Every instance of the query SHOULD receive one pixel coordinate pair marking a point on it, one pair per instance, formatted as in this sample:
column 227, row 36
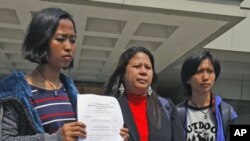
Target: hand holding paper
column 102, row 115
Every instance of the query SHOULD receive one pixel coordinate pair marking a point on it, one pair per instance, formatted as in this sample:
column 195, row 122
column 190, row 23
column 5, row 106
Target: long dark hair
column 191, row 65
column 40, row 32
column 115, row 80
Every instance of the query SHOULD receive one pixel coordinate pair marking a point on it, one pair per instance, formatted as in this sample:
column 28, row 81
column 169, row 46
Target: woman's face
column 62, row 45
column 203, row 80
column 138, row 74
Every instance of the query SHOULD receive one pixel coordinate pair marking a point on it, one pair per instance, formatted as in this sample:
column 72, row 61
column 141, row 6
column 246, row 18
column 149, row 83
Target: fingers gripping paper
column 102, row 115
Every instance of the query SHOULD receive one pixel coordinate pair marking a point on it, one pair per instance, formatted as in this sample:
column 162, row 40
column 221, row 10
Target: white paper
column 102, row 115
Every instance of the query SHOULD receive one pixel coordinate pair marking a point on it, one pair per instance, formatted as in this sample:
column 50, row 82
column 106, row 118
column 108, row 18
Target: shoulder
column 182, row 104
column 166, row 103
column 181, row 109
column 67, row 81
column 226, row 105
column 222, row 104
column 69, row 85
column 227, row 110
column 12, row 77
column 65, row 78
column 12, row 83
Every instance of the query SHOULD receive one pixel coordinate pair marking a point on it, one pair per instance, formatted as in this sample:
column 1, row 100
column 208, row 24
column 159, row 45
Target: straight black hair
column 191, row 65
column 40, row 32
column 115, row 80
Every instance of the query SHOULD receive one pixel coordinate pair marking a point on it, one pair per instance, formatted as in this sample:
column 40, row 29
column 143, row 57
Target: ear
column 188, row 81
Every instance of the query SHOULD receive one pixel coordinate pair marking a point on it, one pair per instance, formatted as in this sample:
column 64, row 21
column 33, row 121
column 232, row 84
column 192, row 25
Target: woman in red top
column 147, row 116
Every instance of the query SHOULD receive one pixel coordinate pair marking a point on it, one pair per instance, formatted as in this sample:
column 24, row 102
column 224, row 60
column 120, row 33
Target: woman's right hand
column 124, row 132
column 71, row 131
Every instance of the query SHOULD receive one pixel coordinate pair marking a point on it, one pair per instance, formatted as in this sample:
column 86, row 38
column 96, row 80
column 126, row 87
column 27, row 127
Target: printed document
column 102, row 116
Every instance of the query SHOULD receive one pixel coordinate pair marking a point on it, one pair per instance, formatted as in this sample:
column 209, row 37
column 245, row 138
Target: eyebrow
column 65, row 35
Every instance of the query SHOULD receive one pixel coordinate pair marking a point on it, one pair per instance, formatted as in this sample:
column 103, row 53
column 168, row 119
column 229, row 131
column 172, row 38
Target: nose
column 143, row 71
column 205, row 76
column 67, row 45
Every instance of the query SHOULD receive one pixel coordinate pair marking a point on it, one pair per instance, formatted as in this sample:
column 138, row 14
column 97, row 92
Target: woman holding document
column 147, row 116
column 41, row 105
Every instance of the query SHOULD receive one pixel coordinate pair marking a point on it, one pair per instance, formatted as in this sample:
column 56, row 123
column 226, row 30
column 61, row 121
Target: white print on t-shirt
column 200, row 131
column 198, row 128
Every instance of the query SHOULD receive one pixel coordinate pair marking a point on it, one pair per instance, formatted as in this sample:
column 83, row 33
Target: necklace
column 50, row 83
column 205, row 113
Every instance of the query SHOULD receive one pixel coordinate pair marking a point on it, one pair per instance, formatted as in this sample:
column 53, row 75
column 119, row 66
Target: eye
column 199, row 71
column 60, row 39
column 148, row 67
column 210, row 71
column 72, row 40
column 136, row 66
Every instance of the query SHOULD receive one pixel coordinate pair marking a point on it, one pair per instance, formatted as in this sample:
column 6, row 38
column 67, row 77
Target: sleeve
column 233, row 120
column 10, row 132
column 177, row 127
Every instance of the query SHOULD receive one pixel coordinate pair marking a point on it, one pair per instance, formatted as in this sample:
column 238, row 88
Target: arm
column 10, row 130
column 229, row 118
column 176, row 123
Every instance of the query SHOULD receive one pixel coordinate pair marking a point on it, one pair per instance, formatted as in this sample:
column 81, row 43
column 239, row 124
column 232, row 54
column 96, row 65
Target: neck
column 199, row 100
column 47, row 79
column 50, row 74
column 137, row 94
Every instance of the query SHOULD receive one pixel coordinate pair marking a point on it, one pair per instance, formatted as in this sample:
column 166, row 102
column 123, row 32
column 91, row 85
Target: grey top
column 10, row 130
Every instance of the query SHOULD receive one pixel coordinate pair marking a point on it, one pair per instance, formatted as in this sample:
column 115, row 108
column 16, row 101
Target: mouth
column 67, row 57
column 205, row 84
column 142, row 81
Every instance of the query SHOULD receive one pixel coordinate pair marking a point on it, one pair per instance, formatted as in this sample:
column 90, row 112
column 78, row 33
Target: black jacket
column 171, row 131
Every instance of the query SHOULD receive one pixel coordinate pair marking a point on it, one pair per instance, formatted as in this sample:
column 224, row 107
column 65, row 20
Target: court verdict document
column 102, row 116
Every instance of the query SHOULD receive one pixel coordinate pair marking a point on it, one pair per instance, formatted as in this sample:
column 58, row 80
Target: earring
column 121, row 89
column 150, row 91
